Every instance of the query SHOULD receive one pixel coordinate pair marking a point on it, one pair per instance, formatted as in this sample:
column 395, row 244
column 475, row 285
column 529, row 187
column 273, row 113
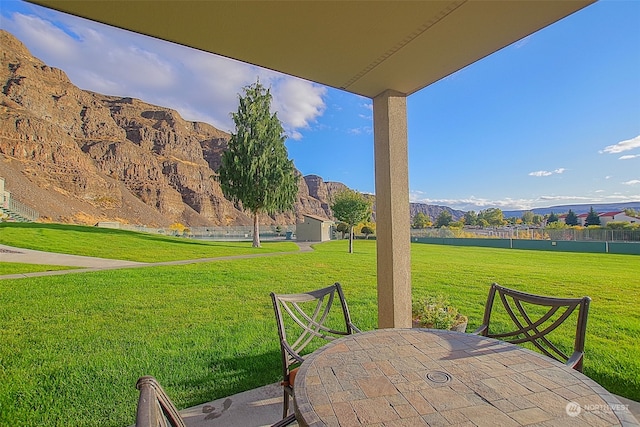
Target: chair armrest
column 575, row 361
column 354, row 327
column 291, row 351
column 482, row 330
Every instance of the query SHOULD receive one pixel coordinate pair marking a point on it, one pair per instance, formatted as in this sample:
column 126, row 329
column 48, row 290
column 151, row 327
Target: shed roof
column 318, row 218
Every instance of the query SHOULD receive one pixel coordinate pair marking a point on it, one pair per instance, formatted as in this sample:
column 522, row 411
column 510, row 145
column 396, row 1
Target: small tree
column 366, row 230
column 538, row 219
column 342, row 228
column 470, row 218
column 351, row 208
column 571, row 218
column 444, row 219
column 493, row 216
column 256, row 170
column 592, row 218
column 527, row 217
column 552, row 218
column 420, row 220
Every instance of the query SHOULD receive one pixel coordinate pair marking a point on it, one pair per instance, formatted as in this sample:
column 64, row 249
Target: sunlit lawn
column 73, row 346
column 19, row 268
column 125, row 245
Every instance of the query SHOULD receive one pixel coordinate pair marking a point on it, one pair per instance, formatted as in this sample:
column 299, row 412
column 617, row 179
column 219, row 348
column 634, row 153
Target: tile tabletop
column 422, row 377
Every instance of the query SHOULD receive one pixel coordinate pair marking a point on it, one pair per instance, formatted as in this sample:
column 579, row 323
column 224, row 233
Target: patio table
column 420, row 377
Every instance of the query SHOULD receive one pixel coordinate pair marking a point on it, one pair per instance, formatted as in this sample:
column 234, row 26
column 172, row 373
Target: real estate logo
column 573, row 409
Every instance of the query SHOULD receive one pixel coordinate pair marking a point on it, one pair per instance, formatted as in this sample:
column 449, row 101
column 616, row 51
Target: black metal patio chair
column 534, row 317
column 303, row 319
column 155, row 409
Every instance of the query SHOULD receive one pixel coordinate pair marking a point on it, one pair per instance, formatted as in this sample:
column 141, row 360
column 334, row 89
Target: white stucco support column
column 392, row 210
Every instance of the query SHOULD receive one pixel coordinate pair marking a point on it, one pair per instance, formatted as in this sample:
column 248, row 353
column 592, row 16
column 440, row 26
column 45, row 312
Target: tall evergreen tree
column 256, row 170
column 571, row 218
column 552, row 218
column 592, row 218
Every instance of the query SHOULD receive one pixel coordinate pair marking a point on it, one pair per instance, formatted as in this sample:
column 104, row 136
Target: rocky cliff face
column 81, row 157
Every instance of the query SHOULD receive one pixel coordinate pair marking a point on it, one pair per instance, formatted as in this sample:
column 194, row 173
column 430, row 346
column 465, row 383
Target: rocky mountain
column 81, row 157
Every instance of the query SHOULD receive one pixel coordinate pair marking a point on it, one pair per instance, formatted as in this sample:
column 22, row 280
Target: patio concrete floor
column 262, row 407
column 259, row 407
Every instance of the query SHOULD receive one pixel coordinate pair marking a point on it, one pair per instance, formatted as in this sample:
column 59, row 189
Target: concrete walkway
column 83, row 264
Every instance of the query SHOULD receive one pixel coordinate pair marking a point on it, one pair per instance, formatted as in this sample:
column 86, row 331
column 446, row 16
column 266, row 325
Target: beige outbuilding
column 314, row 229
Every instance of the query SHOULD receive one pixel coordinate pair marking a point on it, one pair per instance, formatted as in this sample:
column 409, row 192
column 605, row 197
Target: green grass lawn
column 19, row 268
column 121, row 244
column 73, row 346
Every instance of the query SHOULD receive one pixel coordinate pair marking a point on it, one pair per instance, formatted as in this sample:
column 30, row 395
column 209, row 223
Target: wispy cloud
column 628, row 156
column 547, row 173
column 365, row 130
column 632, row 182
column 621, row 146
column 522, row 42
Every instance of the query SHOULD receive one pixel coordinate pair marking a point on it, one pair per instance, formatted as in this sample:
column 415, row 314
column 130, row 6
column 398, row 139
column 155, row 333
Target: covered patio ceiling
column 384, row 50
column 363, row 47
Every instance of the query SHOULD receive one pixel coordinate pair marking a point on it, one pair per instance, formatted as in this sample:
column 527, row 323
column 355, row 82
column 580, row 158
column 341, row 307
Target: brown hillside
column 80, row 157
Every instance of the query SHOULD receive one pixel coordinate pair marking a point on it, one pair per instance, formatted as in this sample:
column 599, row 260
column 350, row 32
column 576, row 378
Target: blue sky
column 552, row 119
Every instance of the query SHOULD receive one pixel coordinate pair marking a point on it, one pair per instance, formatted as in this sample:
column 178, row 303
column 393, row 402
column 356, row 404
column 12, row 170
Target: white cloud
column 621, row 146
column 298, row 102
column 199, row 85
column 42, row 34
column 628, row 156
column 632, row 182
column 547, row 173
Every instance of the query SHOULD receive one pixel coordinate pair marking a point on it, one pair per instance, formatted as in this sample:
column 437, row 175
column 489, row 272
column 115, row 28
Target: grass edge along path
column 74, row 346
column 7, row 268
column 125, row 245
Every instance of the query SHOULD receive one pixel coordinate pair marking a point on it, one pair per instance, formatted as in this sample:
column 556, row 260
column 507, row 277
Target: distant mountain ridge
column 577, row 209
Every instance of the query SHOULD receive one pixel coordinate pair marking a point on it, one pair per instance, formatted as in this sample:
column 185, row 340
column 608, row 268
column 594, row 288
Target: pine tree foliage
column 592, row 218
column 571, row 218
column 256, row 170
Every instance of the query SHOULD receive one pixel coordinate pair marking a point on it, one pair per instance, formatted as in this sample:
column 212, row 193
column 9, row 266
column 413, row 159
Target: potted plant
column 437, row 313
